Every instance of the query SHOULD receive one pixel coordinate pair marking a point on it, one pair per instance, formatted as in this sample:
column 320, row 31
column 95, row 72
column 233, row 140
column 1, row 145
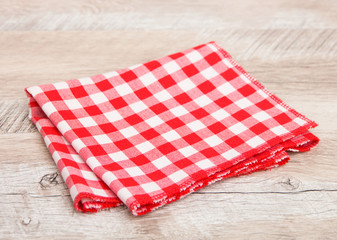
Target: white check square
column 87, row 122
column 89, row 175
column 65, row 173
column 110, row 74
column 63, row 127
column 102, row 139
column 161, row 162
column 213, row 140
column 129, row 132
column 145, row 147
column 154, row 121
column 134, row 171
column 85, row 81
column 48, row 108
column 47, row 141
column 227, row 63
column 61, row 85
column 187, row 151
column 179, row 111
column 196, row 125
column 243, row 103
column 77, row 158
column 230, row 154
column 113, row 116
column 135, row 66
column 34, row 90
column 262, row 93
column 171, row 135
column 147, row 79
column 205, row 164
column 98, row 98
column 150, row 187
column 280, row 107
column 123, row 89
column 214, row 48
column 194, row 56
column 226, row 88
column 99, row 192
column 178, row 176
column 73, row 191
column 255, row 141
column 162, row 96
column 124, row 194
column 300, row 121
column 93, row 163
column 261, row 116
column 186, row 85
column 245, row 79
column 73, row 104
column 108, row 177
column 279, row 130
column 209, row 73
column 118, row 156
column 138, row 106
column 56, row 157
column 237, row 128
column 220, row 114
column 203, row 101
column 171, row 67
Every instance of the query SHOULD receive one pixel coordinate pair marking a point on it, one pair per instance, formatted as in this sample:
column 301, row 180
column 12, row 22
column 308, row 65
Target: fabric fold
column 147, row 135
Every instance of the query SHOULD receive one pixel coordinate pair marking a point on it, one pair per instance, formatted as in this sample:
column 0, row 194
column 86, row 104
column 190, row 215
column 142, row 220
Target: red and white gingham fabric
column 150, row 134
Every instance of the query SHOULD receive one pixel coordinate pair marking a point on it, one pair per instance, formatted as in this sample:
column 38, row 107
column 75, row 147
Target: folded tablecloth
column 152, row 133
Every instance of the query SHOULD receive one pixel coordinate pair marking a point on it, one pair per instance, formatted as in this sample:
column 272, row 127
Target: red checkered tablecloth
column 152, row 133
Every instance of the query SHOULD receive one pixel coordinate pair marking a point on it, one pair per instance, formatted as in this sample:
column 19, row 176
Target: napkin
column 150, row 134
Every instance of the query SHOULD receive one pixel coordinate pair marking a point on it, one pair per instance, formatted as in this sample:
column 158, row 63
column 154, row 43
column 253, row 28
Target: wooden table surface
column 288, row 45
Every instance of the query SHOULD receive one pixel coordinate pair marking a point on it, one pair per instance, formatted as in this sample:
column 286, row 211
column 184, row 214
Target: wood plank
column 43, row 57
column 217, row 216
column 14, row 116
column 153, row 15
column 285, row 202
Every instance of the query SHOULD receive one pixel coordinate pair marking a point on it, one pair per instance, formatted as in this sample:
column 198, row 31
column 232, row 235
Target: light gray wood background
column 288, row 45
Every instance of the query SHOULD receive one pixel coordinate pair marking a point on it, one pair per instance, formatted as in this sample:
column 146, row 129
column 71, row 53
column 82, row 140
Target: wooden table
column 290, row 46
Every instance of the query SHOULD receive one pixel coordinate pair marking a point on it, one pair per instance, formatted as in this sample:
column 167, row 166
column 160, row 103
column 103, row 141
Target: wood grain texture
column 31, row 58
column 289, row 46
column 158, row 15
column 14, row 117
column 286, row 202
